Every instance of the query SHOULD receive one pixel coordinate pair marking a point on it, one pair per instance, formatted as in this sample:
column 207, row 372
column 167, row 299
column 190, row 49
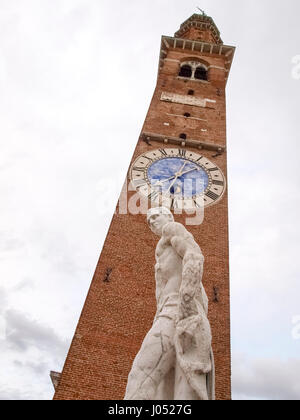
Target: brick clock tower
column 186, row 122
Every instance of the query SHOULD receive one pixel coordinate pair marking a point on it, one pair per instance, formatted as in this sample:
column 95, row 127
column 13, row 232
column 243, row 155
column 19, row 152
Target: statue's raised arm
column 192, row 267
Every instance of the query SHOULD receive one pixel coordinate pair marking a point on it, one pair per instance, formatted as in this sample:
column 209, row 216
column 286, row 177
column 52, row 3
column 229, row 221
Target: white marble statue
column 175, row 361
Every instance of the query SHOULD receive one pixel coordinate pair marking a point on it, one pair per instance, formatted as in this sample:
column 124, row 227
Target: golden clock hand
column 176, row 176
column 171, row 185
column 181, row 168
column 165, row 180
column 157, row 184
column 190, row 170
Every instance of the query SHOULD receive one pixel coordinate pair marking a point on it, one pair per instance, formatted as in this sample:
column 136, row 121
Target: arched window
column 187, row 115
column 185, row 71
column 201, row 73
column 182, row 136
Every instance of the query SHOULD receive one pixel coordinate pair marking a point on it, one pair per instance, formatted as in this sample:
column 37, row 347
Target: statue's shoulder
column 175, row 229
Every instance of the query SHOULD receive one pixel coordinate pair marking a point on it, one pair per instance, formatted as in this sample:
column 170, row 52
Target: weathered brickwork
column 118, row 313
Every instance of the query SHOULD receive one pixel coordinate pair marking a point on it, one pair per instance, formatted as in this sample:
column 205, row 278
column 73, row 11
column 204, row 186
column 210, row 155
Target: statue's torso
column 168, row 270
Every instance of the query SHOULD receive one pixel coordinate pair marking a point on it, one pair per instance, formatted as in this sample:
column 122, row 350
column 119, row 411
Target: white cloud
column 266, row 379
column 22, row 333
column 29, row 349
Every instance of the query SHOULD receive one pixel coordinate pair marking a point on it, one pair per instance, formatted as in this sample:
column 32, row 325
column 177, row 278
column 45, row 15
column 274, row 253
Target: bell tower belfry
column 186, row 122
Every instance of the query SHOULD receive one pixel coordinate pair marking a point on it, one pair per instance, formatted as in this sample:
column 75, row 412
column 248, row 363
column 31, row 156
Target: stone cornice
column 147, row 137
column 191, row 46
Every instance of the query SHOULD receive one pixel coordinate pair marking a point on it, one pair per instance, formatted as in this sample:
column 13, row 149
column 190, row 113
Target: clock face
column 177, row 178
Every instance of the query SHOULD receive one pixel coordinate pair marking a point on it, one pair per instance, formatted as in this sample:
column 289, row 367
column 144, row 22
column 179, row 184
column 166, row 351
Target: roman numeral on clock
column 181, row 152
column 139, row 183
column 213, row 169
column 212, row 195
column 146, row 157
column 163, row 152
column 216, row 182
column 174, row 203
column 153, row 195
column 197, row 205
column 138, row 168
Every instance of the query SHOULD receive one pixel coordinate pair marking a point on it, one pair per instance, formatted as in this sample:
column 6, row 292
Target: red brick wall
column 199, row 34
column 117, row 314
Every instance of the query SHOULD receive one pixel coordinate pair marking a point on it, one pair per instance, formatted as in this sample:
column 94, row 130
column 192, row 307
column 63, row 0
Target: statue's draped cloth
column 192, row 342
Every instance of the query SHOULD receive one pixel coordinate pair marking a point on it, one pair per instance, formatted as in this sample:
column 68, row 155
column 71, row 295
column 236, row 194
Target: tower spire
column 202, row 11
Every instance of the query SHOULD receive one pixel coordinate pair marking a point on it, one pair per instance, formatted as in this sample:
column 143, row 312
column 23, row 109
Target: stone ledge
column 55, row 378
column 147, row 137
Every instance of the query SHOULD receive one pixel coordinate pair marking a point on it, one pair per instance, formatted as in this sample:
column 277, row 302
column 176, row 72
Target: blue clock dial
column 178, row 176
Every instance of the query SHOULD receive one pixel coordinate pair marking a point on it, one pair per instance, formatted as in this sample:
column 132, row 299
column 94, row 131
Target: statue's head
column 157, row 218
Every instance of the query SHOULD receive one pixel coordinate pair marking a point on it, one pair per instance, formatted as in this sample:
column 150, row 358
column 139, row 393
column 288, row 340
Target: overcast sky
column 76, row 80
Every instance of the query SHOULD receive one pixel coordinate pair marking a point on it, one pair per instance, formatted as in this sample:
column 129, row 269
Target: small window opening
column 201, row 73
column 191, row 92
column 185, row 71
column 187, row 115
column 182, row 136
